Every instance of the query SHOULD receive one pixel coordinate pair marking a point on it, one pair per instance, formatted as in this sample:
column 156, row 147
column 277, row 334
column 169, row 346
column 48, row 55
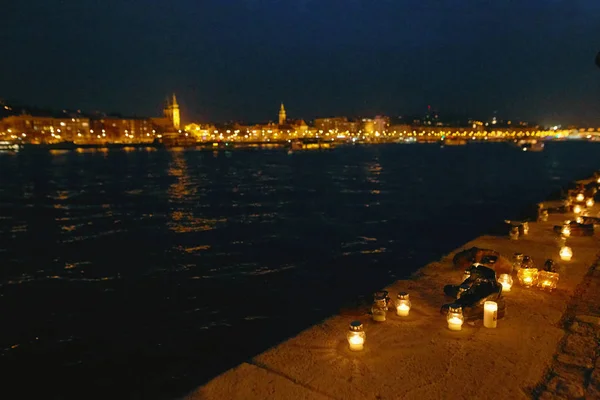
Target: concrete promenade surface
column 417, row 357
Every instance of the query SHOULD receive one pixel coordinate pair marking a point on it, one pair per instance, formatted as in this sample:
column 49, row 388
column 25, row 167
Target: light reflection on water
column 165, row 253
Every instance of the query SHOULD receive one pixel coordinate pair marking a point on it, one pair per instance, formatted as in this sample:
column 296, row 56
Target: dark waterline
column 143, row 274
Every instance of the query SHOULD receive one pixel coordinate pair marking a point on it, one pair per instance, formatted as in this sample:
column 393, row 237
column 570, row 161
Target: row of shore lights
column 527, row 275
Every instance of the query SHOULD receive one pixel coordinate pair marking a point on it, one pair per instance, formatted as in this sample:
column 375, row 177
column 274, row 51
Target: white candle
column 506, row 286
column 490, row 314
column 455, row 324
column 579, row 197
column 403, row 310
column 356, row 343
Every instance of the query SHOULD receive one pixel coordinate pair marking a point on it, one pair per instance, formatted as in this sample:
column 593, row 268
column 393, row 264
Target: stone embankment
column 546, row 345
column 575, row 371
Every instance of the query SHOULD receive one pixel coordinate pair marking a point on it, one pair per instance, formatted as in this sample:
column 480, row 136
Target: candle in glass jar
column 580, row 197
column 566, row 253
column 490, row 314
column 356, row 343
column 403, row 310
column 403, row 304
column 455, row 317
column 589, row 202
column 356, row 336
column 547, row 280
column 455, row 324
column 566, row 231
column 577, row 209
column 506, row 281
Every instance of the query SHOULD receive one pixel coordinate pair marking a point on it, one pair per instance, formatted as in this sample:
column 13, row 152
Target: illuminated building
column 381, row 123
column 282, row 116
column 368, row 125
column 200, row 131
column 172, row 112
column 40, row 129
column 122, row 130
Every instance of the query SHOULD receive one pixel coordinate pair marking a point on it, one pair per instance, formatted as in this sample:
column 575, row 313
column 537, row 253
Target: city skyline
column 233, row 60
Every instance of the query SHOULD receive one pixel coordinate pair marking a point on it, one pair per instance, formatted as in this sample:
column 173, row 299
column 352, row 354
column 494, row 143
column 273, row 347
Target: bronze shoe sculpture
column 479, row 287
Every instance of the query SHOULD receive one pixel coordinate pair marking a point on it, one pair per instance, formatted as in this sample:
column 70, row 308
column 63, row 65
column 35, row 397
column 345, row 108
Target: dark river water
column 141, row 274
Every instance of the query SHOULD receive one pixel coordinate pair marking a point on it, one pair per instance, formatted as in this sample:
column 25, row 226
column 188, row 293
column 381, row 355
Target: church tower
column 282, row 116
column 172, row 112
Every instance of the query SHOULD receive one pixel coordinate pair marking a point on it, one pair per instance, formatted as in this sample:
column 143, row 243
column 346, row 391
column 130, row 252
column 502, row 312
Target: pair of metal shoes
column 479, row 287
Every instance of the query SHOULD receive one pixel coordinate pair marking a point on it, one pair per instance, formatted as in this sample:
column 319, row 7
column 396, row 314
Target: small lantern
column 514, row 233
column 379, row 308
column 566, row 253
column 403, row 304
column 543, row 216
column 566, row 230
column 527, row 274
column 356, row 336
column 548, row 279
column 580, row 197
column 517, row 261
column 525, row 228
column 577, row 209
column 455, row 317
column 589, row 202
column 462, row 289
column 490, row 314
column 506, row 281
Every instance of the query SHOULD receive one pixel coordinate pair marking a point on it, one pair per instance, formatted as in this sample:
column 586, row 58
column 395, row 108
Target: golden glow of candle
column 356, row 343
column 455, row 324
column 455, row 317
column 356, row 336
column 566, row 253
column 527, row 276
column 548, row 280
column 566, row 231
column 403, row 310
column 589, row 202
column 579, row 197
column 403, row 304
column 490, row 314
column 579, row 220
column 506, row 281
column 577, row 209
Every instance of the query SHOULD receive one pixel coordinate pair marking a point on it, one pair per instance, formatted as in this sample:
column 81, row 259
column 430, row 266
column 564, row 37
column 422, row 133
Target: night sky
column 238, row 59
